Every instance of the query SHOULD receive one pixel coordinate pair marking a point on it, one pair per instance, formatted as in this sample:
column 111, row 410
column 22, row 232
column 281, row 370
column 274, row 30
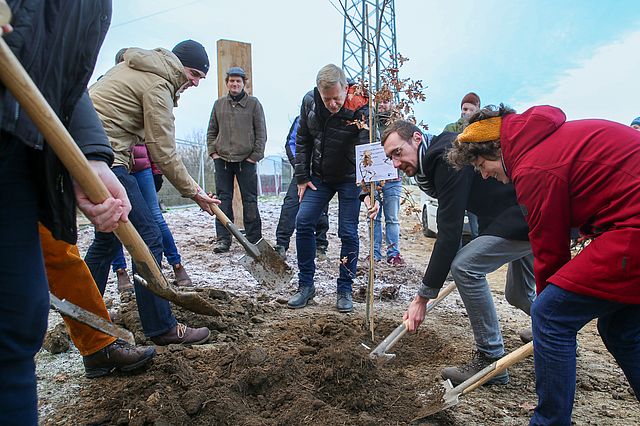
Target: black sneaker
column 117, row 356
column 478, row 362
column 302, row 297
column 222, row 246
column 344, row 302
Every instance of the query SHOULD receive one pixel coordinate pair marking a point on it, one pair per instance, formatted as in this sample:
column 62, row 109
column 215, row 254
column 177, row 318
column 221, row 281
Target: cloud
column 602, row 86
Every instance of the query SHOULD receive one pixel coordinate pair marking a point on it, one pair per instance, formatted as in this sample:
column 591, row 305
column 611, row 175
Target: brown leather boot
column 182, row 278
column 117, row 356
column 124, row 284
column 182, row 334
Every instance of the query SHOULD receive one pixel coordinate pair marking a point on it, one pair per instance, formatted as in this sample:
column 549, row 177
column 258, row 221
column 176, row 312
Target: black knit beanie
column 192, row 55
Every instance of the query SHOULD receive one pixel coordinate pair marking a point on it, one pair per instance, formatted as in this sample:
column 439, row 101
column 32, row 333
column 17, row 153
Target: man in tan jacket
column 135, row 101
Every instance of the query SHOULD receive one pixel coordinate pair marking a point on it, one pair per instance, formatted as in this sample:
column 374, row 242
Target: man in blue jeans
column 325, row 165
column 135, row 101
column 502, row 240
column 291, row 204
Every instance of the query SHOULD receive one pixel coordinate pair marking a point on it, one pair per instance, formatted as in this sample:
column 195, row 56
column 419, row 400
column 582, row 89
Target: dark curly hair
column 463, row 154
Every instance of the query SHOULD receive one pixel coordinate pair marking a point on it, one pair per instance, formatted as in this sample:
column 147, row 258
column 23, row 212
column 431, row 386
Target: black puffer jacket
column 57, row 42
column 325, row 142
column 493, row 202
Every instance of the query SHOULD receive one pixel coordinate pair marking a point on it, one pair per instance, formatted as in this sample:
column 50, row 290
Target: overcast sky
column 582, row 56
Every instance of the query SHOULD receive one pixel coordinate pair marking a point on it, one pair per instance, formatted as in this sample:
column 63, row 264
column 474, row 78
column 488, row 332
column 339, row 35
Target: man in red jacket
column 585, row 174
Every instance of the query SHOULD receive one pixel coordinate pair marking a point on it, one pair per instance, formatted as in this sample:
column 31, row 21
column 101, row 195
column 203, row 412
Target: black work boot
column 117, row 356
column 282, row 252
column 479, row 361
column 302, row 297
column 222, row 246
column 321, row 253
column 344, row 302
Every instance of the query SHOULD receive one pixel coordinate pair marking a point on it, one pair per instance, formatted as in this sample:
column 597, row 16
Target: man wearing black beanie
column 135, row 102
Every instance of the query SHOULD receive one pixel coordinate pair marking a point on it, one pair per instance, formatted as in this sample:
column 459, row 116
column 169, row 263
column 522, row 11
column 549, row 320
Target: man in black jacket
column 34, row 186
column 325, row 165
column 503, row 239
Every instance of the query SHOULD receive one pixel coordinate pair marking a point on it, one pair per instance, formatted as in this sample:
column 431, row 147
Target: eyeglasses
column 397, row 153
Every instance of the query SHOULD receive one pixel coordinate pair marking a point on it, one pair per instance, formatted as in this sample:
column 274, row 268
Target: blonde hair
column 329, row 76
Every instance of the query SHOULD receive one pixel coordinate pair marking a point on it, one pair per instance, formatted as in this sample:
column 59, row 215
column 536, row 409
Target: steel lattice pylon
column 354, row 47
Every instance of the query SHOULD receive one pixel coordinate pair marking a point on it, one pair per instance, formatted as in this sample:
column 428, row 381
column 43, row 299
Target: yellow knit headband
column 482, row 131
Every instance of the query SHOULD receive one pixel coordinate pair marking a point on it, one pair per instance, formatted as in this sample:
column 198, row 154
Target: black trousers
column 246, row 173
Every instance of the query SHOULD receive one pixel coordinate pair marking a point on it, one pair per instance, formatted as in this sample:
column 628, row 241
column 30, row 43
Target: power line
column 140, row 18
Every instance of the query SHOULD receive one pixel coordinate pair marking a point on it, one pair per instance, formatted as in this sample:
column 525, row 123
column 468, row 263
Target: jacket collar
column 242, row 102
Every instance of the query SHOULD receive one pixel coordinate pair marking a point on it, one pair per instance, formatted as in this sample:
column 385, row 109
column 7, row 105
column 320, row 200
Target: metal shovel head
column 269, row 269
column 438, row 397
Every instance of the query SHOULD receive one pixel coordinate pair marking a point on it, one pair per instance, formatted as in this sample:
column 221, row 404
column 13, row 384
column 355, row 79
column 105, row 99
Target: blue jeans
column 148, row 190
column 391, row 192
column 24, row 296
column 155, row 313
column 311, row 207
column 469, row 269
column 473, row 224
column 557, row 316
column 246, row 173
column 287, row 222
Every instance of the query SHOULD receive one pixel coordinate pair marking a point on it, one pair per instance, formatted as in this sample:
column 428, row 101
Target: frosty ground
column 268, row 365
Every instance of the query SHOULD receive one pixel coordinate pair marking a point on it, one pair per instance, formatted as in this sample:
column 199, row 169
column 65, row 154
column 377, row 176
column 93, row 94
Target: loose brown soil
column 268, row 365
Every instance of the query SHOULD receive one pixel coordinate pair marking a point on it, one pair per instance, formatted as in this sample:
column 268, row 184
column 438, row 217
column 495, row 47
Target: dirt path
column 268, row 365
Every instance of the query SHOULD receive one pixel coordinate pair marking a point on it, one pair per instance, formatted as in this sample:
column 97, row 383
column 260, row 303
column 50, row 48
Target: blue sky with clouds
column 583, row 56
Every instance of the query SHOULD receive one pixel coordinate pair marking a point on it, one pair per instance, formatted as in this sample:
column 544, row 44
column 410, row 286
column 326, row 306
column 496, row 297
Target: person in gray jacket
column 236, row 138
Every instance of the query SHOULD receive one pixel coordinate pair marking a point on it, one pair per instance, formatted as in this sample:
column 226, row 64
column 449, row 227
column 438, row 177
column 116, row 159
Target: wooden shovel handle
column 251, row 249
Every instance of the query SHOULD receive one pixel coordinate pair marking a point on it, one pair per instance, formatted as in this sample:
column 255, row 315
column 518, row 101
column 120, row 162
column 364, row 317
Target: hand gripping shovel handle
column 495, row 368
column 251, row 249
column 16, row 79
column 393, row 338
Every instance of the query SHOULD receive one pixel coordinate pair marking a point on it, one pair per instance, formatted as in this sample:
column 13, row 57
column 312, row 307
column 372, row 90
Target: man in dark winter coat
column 325, row 165
column 34, row 186
column 568, row 174
column 502, row 239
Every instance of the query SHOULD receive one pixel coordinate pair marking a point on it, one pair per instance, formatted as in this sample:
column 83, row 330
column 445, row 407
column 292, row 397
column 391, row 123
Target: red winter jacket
column 585, row 174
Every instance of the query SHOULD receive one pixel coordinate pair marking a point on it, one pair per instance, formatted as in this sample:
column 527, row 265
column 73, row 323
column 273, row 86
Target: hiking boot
column 526, row 335
column 124, row 283
column 182, row 334
column 302, row 297
column 282, row 252
column 396, row 260
column 321, row 254
column 344, row 302
column 117, row 356
column 182, row 278
column 479, row 361
column 222, row 246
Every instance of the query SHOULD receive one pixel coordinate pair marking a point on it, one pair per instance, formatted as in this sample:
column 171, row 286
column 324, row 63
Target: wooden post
column 234, row 54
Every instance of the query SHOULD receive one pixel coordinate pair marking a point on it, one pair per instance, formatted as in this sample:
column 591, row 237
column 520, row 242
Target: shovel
column 444, row 395
column 380, row 352
column 261, row 260
column 75, row 312
column 16, row 79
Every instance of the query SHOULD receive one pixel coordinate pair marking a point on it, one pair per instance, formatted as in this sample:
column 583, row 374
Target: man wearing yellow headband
column 566, row 174
column 502, row 240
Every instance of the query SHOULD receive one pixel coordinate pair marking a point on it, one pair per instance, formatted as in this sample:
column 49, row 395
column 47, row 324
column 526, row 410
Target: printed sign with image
column 372, row 164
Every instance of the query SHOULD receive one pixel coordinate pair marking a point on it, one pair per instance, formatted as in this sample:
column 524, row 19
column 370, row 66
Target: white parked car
column 429, row 214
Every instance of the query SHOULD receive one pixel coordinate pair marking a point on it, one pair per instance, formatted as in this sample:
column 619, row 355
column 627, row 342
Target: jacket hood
column 521, row 132
column 161, row 62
